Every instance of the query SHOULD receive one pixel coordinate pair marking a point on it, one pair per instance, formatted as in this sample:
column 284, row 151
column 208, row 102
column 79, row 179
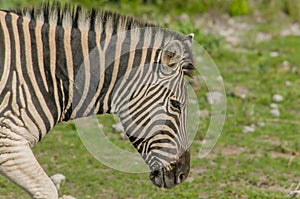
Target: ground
column 257, row 58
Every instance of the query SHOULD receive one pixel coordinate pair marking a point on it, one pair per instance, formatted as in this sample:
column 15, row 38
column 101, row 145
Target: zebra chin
column 178, row 172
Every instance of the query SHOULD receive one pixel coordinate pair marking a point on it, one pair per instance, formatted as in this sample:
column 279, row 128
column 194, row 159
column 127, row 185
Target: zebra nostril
column 181, row 178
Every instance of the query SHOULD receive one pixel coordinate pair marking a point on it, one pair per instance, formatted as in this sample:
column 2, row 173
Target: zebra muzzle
column 178, row 172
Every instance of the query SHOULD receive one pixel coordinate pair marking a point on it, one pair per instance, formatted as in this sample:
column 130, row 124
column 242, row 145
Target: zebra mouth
column 179, row 171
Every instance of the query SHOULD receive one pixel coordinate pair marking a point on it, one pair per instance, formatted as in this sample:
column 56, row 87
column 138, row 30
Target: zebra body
column 58, row 64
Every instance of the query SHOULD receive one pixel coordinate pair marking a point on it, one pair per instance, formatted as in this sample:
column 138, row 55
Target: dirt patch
column 231, row 150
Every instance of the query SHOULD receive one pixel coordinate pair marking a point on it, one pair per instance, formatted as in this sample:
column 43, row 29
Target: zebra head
column 154, row 114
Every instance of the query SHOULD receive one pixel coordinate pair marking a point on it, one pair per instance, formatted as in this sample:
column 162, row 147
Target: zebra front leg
column 18, row 163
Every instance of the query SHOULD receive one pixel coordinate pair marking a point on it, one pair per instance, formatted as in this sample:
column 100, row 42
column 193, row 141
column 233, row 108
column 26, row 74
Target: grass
column 253, row 165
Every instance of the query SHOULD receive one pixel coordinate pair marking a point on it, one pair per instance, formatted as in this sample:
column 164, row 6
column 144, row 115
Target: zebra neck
column 97, row 66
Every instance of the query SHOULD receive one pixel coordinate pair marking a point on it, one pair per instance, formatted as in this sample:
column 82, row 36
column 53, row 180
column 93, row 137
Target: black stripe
column 158, row 156
column 109, row 67
column 94, row 72
column 139, row 50
column 2, row 50
column 163, row 148
column 123, row 65
column 76, row 17
column 49, row 96
column 160, row 94
column 93, row 16
column 133, row 76
column 61, row 72
column 8, row 86
column 136, row 140
column 78, row 64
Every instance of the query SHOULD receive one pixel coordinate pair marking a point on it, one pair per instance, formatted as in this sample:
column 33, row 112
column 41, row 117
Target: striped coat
column 61, row 63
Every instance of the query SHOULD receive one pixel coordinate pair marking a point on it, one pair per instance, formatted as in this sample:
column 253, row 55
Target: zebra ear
column 190, row 38
column 172, row 54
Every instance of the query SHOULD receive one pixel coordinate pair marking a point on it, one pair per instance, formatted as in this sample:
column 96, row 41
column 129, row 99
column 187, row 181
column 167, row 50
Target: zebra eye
column 175, row 104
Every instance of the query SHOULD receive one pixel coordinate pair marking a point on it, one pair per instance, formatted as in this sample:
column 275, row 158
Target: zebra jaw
column 175, row 174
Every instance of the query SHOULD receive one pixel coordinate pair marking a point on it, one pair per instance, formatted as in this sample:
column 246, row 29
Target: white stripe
column 52, row 49
column 7, row 55
column 40, row 53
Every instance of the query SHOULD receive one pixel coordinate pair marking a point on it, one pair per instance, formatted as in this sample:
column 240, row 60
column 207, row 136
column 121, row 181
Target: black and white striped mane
column 75, row 16
column 77, row 13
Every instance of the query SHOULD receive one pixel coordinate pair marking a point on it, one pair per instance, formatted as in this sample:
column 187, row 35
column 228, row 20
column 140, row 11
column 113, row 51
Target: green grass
column 254, row 165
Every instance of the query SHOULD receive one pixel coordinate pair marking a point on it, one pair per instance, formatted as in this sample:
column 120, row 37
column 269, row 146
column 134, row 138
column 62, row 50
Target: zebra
column 43, row 49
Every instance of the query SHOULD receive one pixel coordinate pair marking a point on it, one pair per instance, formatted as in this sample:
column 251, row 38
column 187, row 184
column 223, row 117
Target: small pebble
column 275, row 112
column 273, row 106
column 261, row 124
column 184, row 17
column 241, row 92
column 274, row 54
column 248, row 129
column 277, row 98
column 57, row 179
column 288, row 83
column 67, row 197
column 286, row 64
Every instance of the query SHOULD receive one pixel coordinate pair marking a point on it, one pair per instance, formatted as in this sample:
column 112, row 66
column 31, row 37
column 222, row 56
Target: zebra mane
column 74, row 16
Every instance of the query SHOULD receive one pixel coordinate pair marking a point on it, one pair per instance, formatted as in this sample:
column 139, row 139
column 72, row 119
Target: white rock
column 241, row 92
column 292, row 29
column 274, row 54
column 261, row 37
column 275, row 112
column 67, row 197
column 288, row 83
column 277, row 98
column 57, row 179
column 286, row 63
column 248, row 129
column 118, row 127
column 273, row 106
column 214, row 97
column 261, row 124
